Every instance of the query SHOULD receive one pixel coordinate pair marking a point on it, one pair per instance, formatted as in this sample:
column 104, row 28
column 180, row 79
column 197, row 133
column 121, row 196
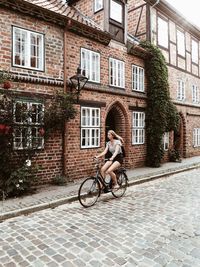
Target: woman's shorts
column 118, row 158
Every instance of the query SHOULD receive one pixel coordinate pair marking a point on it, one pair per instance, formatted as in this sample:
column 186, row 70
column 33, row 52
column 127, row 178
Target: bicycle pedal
column 106, row 190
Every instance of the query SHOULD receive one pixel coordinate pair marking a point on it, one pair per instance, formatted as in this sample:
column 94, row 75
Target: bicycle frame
column 100, row 178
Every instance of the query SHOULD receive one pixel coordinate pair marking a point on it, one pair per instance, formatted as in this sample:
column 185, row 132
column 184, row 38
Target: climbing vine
column 161, row 114
column 20, row 142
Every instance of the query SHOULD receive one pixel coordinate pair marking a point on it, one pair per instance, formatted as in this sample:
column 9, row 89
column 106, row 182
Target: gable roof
column 62, row 8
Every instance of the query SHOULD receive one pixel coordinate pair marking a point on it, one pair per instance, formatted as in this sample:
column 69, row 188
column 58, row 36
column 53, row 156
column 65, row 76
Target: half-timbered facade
column 179, row 40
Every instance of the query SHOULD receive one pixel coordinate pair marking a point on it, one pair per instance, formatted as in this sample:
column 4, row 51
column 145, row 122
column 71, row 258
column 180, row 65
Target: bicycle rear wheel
column 89, row 192
column 123, row 183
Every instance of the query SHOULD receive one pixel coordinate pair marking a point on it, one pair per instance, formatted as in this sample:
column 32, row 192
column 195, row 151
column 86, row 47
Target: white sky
column 189, row 8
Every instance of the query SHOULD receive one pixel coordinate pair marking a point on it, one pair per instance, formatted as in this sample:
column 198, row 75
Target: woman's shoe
column 116, row 187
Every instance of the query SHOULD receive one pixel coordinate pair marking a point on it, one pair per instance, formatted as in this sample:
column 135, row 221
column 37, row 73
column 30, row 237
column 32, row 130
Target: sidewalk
column 52, row 196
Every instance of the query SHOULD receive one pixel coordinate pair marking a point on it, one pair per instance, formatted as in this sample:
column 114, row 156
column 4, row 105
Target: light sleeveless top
column 112, row 147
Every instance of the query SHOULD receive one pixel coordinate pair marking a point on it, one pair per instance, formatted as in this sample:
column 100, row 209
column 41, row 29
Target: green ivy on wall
column 161, row 114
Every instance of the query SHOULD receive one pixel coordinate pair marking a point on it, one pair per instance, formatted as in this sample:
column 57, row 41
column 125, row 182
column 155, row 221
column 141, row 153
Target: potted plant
column 5, row 79
column 174, row 155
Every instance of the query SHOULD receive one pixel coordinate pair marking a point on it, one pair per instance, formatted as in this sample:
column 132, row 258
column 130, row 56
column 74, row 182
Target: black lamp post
column 78, row 81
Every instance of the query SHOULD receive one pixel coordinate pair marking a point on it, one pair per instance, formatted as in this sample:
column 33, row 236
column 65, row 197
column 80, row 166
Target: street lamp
column 78, row 81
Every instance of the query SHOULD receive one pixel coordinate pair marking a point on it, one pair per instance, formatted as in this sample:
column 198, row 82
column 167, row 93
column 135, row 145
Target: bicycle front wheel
column 122, row 181
column 89, row 192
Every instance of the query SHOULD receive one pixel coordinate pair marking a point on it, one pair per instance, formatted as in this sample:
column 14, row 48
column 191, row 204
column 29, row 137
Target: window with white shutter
column 90, row 127
column 138, row 129
column 90, row 62
column 28, row 126
column 98, row 5
column 195, row 54
column 138, row 78
column 196, row 137
column 116, row 70
column 28, row 49
column 163, row 38
column 195, row 94
column 181, row 90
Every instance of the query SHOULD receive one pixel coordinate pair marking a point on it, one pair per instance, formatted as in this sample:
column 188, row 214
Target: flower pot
column 7, row 85
column 41, row 131
column 2, row 128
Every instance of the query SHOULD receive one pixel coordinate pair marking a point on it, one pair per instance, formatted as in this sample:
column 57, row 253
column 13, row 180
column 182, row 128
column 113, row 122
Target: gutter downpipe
column 150, row 19
column 64, row 133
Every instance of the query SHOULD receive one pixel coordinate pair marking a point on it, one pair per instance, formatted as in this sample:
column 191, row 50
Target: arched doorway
column 115, row 121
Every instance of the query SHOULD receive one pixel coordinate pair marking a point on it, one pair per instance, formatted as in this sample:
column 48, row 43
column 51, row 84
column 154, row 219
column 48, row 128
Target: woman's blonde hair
column 116, row 136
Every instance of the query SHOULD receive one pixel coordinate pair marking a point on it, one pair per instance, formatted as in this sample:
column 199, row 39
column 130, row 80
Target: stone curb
column 61, row 201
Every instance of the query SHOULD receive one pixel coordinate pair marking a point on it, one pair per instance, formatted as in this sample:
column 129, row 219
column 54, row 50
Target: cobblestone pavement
column 154, row 224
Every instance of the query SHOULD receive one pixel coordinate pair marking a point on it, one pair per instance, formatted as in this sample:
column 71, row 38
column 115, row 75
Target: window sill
column 96, row 11
column 28, row 68
column 116, row 87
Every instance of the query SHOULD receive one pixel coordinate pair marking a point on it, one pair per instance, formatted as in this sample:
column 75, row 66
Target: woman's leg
column 111, row 169
column 105, row 167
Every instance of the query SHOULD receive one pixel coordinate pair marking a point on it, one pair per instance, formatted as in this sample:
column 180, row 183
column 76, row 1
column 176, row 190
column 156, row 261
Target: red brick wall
column 53, row 43
column 79, row 161
column 50, row 158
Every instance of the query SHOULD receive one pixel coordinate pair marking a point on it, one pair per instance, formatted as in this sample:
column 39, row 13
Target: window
column 138, row 78
column 195, row 94
column 181, row 43
column 196, row 137
column 90, row 62
column 138, row 131
column 195, row 53
column 163, row 32
column 98, row 5
column 181, row 90
column 116, row 70
column 28, row 122
column 90, row 127
column 28, row 49
column 166, row 141
column 116, row 11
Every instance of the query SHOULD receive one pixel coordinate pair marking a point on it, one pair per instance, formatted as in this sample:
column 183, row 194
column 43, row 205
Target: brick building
column 160, row 23
column 44, row 41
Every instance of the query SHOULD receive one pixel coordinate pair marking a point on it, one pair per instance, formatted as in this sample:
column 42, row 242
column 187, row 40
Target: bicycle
column 92, row 187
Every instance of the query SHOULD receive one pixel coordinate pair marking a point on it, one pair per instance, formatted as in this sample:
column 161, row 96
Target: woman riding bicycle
column 114, row 149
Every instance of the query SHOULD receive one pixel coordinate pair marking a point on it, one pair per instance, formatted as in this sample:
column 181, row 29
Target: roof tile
column 62, row 8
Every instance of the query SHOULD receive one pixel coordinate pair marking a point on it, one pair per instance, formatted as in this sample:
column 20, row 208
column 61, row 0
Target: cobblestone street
column 154, row 224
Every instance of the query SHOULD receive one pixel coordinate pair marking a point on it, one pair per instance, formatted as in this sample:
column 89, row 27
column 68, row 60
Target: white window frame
column 27, row 126
column 90, row 62
column 115, row 14
column 138, row 129
column 25, row 51
column 163, row 33
column 166, row 139
column 181, row 43
column 137, row 78
column 196, row 137
column 181, row 90
column 98, row 5
column 116, row 73
column 195, row 94
column 195, row 52
column 90, row 127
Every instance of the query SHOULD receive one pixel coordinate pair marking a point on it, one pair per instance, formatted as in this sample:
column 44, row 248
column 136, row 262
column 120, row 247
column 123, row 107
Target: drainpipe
column 64, row 133
column 156, row 3
column 150, row 19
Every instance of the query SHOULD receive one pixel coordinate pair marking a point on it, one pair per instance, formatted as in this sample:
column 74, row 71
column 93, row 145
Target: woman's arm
column 103, row 153
column 117, row 148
